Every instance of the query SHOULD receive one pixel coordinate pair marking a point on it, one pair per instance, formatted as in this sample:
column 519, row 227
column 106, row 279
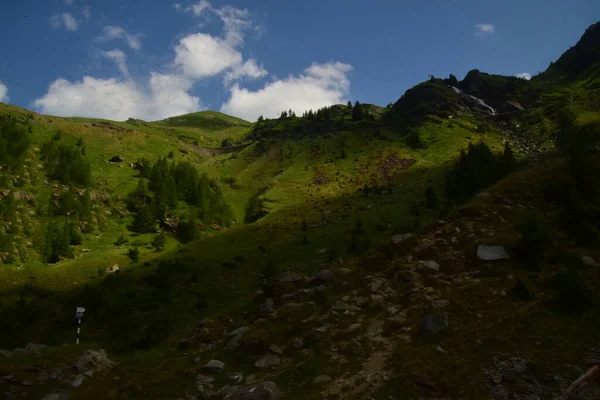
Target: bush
column 521, row 292
column 535, row 244
column 66, row 164
column 159, row 241
column 413, row 140
column 187, row 231
column 134, row 255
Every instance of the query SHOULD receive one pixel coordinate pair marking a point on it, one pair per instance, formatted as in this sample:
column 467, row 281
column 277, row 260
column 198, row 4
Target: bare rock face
column 262, row 391
column 92, row 361
column 492, row 253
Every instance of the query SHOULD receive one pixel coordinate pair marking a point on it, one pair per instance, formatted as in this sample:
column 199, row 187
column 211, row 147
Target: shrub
column 187, row 231
column 159, row 241
column 521, row 292
column 535, row 243
column 573, row 296
column 134, row 255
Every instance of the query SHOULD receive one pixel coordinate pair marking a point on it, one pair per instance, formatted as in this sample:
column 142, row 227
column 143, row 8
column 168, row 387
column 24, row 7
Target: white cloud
column 87, row 12
column 482, row 30
column 116, row 32
column 119, row 58
column 320, row 85
column 524, row 75
column 3, row 93
column 249, row 69
column 235, row 21
column 177, row 6
column 68, row 2
column 199, row 8
column 118, row 100
column 65, row 19
column 201, row 55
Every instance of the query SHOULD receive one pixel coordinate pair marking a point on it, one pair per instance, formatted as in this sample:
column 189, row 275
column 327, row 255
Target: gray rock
column 498, row 393
column 432, row 265
column 236, row 378
column 55, row 373
column 491, row 253
column 262, row 391
column 77, row 381
column 238, row 331
column 204, row 380
column 589, row 261
column 322, row 277
column 57, row 395
column 433, row 323
column 93, row 361
column 288, row 276
column 401, row 238
column 275, row 350
column 19, row 351
column 267, row 306
column 6, row 353
column 233, row 343
column 35, row 348
column 340, row 306
column 321, row 379
column 266, row 361
column 214, row 366
column 375, row 285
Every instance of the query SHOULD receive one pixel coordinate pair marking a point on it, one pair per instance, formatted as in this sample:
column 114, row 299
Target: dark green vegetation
column 191, row 231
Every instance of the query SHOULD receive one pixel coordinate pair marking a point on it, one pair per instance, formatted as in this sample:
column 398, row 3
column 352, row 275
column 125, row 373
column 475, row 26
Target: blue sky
column 117, row 59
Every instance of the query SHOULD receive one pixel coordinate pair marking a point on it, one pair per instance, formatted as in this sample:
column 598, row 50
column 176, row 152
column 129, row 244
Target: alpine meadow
column 443, row 246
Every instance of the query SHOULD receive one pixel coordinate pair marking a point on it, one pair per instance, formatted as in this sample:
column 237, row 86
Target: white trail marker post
column 79, row 314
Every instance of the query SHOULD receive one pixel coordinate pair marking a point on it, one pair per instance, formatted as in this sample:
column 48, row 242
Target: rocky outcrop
column 262, row 391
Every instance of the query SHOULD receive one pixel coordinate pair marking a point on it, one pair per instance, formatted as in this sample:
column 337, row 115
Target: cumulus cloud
column 201, row 55
column 320, row 85
column 524, row 75
column 249, row 69
column 65, row 19
column 119, row 58
column 116, row 32
column 482, row 30
column 3, row 93
column 165, row 96
column 177, row 6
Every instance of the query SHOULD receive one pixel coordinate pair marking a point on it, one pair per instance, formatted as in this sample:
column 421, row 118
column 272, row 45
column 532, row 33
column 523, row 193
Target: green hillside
column 345, row 241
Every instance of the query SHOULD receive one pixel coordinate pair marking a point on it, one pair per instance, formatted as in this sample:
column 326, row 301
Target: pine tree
column 260, row 119
column 358, row 114
column 134, row 255
column 349, row 105
column 159, row 241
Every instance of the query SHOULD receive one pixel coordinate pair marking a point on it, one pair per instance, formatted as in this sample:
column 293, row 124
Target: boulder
column 57, row 395
column 275, row 349
column 589, row 261
column 491, row 253
column 35, row 348
column 266, row 361
column 288, row 276
column 432, row 265
column 401, row 238
column 267, row 306
column 214, row 366
column 433, row 323
column 113, row 269
column 238, row 331
column 321, row 379
column 92, row 361
column 116, row 159
column 262, row 391
column 6, row 353
column 77, row 381
column 322, row 277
